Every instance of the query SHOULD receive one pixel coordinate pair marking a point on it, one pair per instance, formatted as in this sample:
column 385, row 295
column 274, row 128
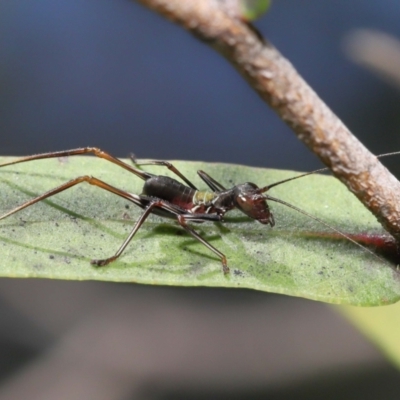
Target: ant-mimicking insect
column 167, row 197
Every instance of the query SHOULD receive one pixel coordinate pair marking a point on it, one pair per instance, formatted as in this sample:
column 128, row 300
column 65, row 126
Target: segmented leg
column 167, row 164
column 182, row 218
column 83, row 150
column 211, row 182
column 154, row 203
column 142, row 201
column 138, row 224
column 89, row 179
column 182, row 222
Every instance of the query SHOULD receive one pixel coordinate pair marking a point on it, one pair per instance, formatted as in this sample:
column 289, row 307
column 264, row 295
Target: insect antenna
column 276, row 200
column 266, row 188
column 268, row 197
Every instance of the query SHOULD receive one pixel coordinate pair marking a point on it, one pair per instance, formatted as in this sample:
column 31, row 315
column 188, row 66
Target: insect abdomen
column 170, row 190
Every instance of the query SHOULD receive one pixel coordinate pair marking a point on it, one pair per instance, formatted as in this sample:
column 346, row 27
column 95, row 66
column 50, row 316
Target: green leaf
column 253, row 9
column 58, row 237
column 381, row 325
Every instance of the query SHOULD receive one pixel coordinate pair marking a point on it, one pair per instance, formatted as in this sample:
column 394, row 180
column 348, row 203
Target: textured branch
column 279, row 84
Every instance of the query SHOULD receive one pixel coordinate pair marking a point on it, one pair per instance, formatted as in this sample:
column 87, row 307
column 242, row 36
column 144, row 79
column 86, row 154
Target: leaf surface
column 58, row 237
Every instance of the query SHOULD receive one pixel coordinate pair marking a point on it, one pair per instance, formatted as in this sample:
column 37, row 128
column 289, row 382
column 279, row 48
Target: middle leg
column 167, row 164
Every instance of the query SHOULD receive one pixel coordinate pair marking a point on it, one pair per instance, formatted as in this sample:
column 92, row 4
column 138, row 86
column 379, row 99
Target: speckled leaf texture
column 58, row 237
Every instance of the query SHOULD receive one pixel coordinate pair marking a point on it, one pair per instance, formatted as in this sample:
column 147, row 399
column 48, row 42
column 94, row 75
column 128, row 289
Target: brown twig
column 279, row 84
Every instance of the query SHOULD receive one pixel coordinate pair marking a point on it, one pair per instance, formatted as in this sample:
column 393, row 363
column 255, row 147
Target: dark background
column 112, row 74
column 115, row 75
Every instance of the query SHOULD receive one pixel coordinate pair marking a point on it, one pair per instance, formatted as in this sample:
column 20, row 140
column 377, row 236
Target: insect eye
column 244, row 202
column 250, row 204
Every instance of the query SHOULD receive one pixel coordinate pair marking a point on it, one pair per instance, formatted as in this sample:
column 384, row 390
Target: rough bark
column 279, row 84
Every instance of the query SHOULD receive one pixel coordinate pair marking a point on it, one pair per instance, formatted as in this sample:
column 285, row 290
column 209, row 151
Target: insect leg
column 182, row 222
column 148, row 210
column 89, row 179
column 151, row 204
column 83, row 150
column 165, row 164
column 211, row 182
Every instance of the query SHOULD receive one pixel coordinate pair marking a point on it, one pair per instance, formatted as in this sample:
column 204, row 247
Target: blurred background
column 112, row 74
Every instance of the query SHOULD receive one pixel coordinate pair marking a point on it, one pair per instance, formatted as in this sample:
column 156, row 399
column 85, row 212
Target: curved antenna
column 267, row 197
column 266, row 188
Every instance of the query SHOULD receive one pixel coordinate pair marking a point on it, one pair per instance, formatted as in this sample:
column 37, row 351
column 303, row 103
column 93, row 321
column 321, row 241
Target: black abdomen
column 169, row 189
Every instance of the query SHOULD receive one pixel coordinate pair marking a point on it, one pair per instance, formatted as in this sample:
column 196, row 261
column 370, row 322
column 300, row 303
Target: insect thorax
column 203, row 198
